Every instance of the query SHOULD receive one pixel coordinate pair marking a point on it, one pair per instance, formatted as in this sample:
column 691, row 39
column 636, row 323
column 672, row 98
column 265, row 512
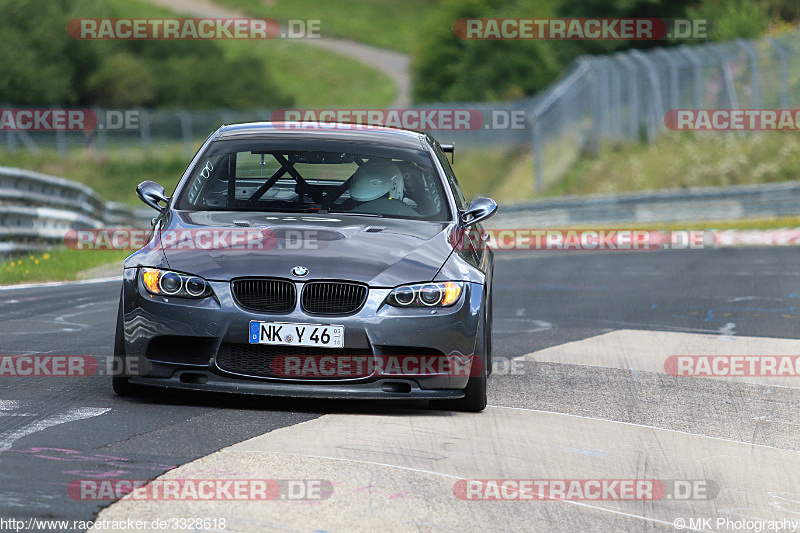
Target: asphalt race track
column 579, row 392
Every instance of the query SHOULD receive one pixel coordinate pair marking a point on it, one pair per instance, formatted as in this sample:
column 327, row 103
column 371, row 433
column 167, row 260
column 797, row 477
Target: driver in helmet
column 378, row 186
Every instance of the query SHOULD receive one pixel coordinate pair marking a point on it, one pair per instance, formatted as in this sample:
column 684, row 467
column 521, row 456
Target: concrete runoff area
column 397, row 473
column 647, row 351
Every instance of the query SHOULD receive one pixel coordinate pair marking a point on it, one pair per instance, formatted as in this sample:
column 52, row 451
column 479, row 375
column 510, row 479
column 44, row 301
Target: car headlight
column 441, row 294
column 168, row 283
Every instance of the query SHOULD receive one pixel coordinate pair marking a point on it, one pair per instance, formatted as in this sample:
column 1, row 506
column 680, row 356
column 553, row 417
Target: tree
column 448, row 68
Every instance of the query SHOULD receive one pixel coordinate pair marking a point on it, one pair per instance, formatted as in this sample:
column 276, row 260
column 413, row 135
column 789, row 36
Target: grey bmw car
column 312, row 260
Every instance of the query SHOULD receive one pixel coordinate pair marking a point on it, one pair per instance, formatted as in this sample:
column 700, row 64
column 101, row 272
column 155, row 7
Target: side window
column 208, row 170
column 461, row 202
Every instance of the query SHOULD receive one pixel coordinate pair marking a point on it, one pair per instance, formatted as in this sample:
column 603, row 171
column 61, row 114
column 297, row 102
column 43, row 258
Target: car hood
column 381, row 252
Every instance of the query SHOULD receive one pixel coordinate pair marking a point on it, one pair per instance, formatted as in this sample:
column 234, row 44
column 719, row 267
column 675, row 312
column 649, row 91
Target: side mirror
column 450, row 149
column 479, row 209
column 151, row 193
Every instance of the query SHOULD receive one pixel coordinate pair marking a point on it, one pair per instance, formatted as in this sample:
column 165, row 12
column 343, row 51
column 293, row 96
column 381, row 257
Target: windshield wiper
column 278, row 210
column 355, row 214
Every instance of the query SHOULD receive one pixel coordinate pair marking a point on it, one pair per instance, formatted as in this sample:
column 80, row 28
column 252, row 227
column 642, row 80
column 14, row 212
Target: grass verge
column 384, row 23
column 674, row 160
column 113, row 174
column 60, row 264
column 685, row 159
column 744, row 224
column 318, row 78
column 314, row 77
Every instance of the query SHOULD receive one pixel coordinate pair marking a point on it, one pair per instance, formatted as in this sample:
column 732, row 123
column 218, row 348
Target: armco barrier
column 678, row 205
column 37, row 210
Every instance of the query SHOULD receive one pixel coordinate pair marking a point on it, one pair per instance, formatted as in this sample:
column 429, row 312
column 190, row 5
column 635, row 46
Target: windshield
column 328, row 178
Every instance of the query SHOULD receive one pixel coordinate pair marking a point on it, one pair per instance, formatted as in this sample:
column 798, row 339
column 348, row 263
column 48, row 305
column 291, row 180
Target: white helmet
column 375, row 178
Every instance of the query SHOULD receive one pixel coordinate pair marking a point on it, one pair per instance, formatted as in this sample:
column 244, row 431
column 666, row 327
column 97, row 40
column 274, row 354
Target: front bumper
column 176, row 341
column 381, row 389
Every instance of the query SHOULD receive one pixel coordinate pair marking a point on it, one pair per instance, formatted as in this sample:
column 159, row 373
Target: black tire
column 121, row 384
column 488, row 332
column 474, row 400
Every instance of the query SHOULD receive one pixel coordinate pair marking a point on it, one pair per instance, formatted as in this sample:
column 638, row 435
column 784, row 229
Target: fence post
column 100, row 140
column 733, row 101
column 674, row 90
column 592, row 145
column 186, row 130
column 755, row 78
column 144, row 128
column 61, row 142
column 656, row 105
column 615, row 98
column 536, row 132
column 697, row 69
column 633, row 105
column 784, row 68
column 11, row 141
column 27, row 140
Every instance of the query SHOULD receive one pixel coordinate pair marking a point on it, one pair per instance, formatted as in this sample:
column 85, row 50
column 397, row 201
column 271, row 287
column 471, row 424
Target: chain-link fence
column 623, row 96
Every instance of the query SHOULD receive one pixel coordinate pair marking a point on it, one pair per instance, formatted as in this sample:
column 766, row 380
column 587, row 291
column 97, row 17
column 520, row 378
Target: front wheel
column 474, row 400
column 121, row 384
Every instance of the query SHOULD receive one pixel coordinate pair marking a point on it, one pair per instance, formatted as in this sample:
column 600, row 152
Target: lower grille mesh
column 257, row 359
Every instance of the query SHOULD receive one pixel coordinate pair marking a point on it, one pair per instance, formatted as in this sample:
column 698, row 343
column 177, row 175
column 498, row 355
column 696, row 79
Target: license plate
column 290, row 334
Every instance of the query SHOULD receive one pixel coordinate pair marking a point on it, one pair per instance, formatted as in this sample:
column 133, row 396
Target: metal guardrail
column 37, row 210
column 674, row 205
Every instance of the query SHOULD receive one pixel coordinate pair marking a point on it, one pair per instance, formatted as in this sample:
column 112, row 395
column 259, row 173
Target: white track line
column 8, row 405
column 645, row 426
column 60, row 283
column 80, row 413
column 421, row 471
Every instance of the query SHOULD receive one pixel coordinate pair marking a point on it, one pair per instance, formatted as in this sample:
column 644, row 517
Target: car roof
column 331, row 131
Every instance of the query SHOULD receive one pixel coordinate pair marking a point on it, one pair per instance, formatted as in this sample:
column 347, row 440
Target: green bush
column 209, row 81
column 32, row 69
column 123, row 80
column 41, row 65
column 447, row 68
column 729, row 19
